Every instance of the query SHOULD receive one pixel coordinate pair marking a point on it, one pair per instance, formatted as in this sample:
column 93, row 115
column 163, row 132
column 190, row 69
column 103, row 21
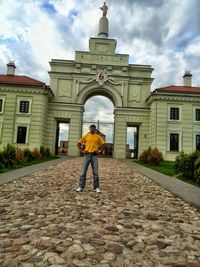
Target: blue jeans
column 93, row 159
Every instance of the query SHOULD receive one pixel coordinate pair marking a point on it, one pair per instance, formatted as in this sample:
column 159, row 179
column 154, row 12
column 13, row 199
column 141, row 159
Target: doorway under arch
column 99, row 110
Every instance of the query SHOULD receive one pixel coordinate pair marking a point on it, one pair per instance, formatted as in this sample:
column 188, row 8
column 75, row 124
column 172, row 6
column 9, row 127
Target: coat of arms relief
column 101, row 78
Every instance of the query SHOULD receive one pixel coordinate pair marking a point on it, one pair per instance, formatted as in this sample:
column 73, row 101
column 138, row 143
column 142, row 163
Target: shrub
column 36, row 154
column 47, row 153
column 197, row 170
column 42, row 151
column 184, row 165
column 10, row 155
column 188, row 165
column 144, row 155
column 152, row 156
column 19, row 155
column 1, row 160
column 9, row 152
column 180, row 163
column 155, row 156
column 28, row 154
column 192, row 159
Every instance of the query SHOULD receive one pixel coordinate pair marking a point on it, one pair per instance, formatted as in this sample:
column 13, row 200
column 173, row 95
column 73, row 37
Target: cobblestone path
column 133, row 222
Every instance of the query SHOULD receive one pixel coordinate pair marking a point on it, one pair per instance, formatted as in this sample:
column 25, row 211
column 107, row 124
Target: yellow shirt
column 92, row 142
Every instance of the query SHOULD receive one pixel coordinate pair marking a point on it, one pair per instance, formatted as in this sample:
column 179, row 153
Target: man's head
column 92, row 128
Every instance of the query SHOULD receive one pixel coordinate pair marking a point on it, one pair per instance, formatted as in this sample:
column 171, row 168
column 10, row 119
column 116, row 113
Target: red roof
column 19, row 80
column 178, row 89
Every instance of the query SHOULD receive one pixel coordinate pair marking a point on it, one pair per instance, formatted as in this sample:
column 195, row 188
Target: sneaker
column 79, row 189
column 97, row 190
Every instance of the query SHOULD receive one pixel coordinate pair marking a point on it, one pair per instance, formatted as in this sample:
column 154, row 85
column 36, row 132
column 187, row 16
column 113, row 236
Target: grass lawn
column 25, row 164
column 167, row 167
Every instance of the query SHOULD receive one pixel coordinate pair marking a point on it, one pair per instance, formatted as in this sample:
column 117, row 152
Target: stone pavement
column 133, row 222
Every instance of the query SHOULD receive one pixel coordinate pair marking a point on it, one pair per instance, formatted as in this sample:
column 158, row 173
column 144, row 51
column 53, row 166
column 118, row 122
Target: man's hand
column 81, row 147
column 101, row 149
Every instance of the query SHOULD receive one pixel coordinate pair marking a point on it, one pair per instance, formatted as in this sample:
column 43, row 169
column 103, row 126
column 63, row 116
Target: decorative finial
column 104, row 8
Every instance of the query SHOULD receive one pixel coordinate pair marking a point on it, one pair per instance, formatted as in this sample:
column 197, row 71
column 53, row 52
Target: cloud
column 161, row 33
column 63, row 132
column 98, row 107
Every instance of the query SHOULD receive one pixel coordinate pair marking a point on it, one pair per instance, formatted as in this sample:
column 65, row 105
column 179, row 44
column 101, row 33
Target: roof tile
column 19, row 80
column 179, row 89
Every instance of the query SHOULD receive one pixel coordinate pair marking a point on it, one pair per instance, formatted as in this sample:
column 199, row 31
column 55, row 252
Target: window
column 174, row 113
column 21, row 135
column 24, row 107
column 197, row 114
column 1, row 105
column 174, row 142
column 198, row 142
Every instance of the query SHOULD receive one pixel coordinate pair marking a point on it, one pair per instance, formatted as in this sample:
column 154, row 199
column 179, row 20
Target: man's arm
column 80, row 147
column 102, row 146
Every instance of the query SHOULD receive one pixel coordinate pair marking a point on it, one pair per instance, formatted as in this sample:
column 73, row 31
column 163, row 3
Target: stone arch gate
column 73, row 114
column 99, row 72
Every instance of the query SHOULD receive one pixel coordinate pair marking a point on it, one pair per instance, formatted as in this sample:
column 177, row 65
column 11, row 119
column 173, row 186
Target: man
column 90, row 144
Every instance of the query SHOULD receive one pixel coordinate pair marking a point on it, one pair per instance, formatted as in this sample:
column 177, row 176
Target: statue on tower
column 104, row 8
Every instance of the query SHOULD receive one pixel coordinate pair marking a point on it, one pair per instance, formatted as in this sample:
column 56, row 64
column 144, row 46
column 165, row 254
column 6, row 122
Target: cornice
column 135, row 109
column 178, row 98
column 26, row 90
column 53, row 105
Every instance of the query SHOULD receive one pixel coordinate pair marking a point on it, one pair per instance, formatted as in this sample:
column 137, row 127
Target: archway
column 99, row 110
column 108, row 91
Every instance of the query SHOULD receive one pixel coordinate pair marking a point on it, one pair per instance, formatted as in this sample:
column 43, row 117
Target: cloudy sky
column 162, row 33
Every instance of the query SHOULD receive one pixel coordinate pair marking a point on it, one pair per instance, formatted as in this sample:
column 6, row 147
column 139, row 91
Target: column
column 75, row 131
column 120, row 138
